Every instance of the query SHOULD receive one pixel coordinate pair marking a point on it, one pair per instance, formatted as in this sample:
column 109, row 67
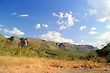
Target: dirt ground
column 41, row 65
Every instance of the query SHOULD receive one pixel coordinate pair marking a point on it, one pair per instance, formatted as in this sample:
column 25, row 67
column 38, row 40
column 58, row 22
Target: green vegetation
column 104, row 52
column 100, row 55
column 41, row 48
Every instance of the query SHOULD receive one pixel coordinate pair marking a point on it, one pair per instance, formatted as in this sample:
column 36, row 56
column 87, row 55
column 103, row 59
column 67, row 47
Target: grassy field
column 39, row 48
column 10, row 64
column 45, row 57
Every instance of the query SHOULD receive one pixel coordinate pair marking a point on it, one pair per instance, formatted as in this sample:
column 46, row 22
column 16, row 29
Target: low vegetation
column 9, row 64
column 39, row 48
column 47, row 49
column 100, row 55
column 41, row 54
column 104, row 52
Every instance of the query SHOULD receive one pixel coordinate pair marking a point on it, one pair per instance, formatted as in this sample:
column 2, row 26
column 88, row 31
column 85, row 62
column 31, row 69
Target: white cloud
column 93, row 32
column 62, row 27
column 103, row 19
column 17, row 32
column 14, row 13
column 19, row 15
column 45, row 25
column 38, row 26
column 1, row 25
column 77, row 20
column 105, row 36
column 102, row 7
column 95, row 43
column 56, row 37
column 83, row 27
column 99, row 44
column 91, row 12
column 65, row 20
column 6, row 31
column 7, row 36
column 93, row 28
column 108, row 26
column 82, row 41
column 0, row 29
column 54, row 14
column 24, row 15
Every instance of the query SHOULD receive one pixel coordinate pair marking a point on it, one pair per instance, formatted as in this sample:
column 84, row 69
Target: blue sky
column 73, row 21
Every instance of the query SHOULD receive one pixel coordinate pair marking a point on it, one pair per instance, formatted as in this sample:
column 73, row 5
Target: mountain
column 104, row 52
column 74, row 47
column 41, row 48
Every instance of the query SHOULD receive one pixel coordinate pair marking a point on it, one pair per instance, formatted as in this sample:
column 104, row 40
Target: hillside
column 40, row 56
column 42, row 48
column 104, row 52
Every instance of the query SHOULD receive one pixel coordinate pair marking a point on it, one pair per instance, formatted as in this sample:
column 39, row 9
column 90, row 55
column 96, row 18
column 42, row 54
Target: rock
column 23, row 42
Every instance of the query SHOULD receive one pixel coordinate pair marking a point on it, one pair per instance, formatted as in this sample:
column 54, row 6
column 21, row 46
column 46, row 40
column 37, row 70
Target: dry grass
column 41, row 65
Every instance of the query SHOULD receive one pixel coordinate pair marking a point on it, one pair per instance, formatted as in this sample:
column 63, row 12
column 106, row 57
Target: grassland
column 45, row 57
column 39, row 48
column 10, row 64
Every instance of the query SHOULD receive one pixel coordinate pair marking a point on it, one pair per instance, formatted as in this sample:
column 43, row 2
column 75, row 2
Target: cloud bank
column 56, row 37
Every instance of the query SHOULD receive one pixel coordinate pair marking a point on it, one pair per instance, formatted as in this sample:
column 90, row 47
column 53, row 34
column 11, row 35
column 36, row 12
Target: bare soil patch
column 42, row 65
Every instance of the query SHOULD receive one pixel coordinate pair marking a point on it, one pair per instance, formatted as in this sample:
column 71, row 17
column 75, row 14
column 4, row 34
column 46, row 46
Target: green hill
column 100, row 55
column 42, row 48
column 104, row 52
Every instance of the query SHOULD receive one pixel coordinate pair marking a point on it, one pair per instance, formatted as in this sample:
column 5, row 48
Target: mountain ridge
column 42, row 48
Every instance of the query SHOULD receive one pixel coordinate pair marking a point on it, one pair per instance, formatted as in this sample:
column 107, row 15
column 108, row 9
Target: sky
column 73, row 21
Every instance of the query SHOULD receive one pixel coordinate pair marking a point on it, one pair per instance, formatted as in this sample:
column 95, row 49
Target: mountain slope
column 104, row 52
column 42, row 48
